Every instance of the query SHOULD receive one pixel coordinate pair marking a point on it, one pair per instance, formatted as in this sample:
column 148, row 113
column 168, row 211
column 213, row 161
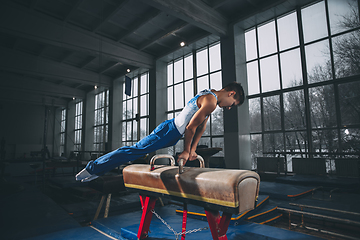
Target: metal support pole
column 184, row 221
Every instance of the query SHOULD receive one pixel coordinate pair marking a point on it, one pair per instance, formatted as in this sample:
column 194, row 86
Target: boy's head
column 239, row 91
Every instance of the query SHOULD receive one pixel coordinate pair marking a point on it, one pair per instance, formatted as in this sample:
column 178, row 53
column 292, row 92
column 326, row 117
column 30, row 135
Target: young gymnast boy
column 191, row 121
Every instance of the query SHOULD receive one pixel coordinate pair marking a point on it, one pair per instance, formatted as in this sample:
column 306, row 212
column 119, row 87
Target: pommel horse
column 226, row 190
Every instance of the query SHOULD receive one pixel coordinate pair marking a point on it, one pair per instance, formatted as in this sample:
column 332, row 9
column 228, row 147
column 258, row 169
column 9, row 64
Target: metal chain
column 177, row 235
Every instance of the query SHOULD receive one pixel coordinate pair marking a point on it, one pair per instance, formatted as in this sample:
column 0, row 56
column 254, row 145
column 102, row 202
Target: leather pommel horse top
column 228, row 190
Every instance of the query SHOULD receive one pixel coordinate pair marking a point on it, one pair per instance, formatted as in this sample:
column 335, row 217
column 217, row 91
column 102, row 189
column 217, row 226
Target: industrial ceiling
column 54, row 50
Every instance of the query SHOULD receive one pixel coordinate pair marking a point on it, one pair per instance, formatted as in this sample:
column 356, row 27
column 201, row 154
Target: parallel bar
column 325, row 209
column 320, row 215
column 326, row 232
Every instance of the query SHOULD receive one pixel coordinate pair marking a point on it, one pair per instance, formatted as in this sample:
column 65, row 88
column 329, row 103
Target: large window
column 101, row 124
column 303, row 73
column 187, row 76
column 78, row 125
column 62, row 132
column 135, row 123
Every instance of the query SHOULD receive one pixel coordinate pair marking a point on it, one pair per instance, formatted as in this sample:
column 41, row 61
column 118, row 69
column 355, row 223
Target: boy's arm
column 208, row 105
column 199, row 132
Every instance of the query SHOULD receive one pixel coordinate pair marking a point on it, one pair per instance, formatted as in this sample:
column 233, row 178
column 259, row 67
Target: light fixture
column 73, row 98
column 95, row 87
column 182, row 44
column 128, row 70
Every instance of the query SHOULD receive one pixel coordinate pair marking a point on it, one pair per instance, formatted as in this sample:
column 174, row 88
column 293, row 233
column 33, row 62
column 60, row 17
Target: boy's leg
column 163, row 136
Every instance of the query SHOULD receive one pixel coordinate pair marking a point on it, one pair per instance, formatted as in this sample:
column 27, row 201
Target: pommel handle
column 152, row 161
column 181, row 163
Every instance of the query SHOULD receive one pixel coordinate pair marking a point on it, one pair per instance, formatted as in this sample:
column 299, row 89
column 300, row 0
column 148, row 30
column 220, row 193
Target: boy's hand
column 192, row 156
column 184, row 155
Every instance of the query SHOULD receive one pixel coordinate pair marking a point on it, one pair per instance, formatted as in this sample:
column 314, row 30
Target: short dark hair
column 239, row 91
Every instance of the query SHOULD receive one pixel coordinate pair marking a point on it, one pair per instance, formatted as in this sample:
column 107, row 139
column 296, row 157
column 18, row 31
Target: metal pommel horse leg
column 218, row 225
column 147, row 205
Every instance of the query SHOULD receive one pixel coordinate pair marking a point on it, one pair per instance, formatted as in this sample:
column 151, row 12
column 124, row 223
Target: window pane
column 288, row 31
column 296, row 141
column 129, row 130
column 215, row 59
column 250, row 42
column 125, row 111
column 294, row 110
column 124, row 131
column 170, row 74
column 347, row 54
column 322, row 106
column 135, row 107
column 202, row 62
column 203, row 83
column 189, row 90
column 178, row 71
column 350, row 140
column 207, row 130
column 144, row 105
column 273, row 142
column 217, row 122
column 267, row 39
column 256, row 148
column 144, row 84
column 325, row 141
column 269, row 70
column 179, row 147
column 349, row 95
column 205, row 141
column 291, row 68
column 170, row 116
column 215, row 81
column 170, row 98
column 143, row 128
column 124, row 95
column 134, row 131
column 219, row 143
column 342, row 14
column 179, row 96
column 189, row 67
column 314, row 22
column 135, row 87
column 255, row 115
column 272, row 117
column 253, row 77
column 318, row 62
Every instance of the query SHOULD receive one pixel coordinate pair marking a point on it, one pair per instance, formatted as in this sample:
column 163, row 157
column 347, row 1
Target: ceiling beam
column 194, row 12
column 170, row 31
column 74, row 7
column 139, row 23
column 24, row 83
column 109, row 16
column 28, row 98
column 24, row 63
column 21, row 23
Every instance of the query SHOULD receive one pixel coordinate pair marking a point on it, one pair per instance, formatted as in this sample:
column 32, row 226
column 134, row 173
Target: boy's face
column 229, row 101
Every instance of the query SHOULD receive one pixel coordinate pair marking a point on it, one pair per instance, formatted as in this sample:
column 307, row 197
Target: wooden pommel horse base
column 226, row 190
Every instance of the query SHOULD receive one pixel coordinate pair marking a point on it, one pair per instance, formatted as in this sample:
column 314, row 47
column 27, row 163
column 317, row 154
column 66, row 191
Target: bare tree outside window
column 315, row 113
